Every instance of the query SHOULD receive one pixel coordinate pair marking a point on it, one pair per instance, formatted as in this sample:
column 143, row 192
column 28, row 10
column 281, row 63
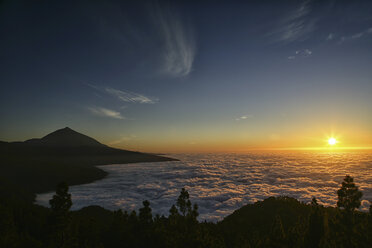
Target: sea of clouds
column 222, row 183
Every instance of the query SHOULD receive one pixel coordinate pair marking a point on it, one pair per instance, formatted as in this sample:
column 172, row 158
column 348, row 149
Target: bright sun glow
column 332, row 141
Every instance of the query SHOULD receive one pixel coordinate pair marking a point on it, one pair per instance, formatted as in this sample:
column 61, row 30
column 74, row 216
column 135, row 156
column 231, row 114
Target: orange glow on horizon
column 237, row 142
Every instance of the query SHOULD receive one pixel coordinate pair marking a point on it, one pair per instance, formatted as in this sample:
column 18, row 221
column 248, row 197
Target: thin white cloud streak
column 179, row 49
column 127, row 96
column 295, row 26
column 356, row 35
column 244, row 117
column 104, row 112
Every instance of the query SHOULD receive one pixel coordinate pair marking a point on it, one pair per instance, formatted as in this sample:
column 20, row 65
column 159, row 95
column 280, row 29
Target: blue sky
column 184, row 76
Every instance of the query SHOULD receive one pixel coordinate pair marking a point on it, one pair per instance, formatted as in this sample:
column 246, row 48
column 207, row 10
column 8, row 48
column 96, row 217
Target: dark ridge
column 64, row 155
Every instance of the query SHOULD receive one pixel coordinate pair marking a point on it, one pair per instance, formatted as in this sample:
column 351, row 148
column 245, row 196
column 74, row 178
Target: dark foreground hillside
column 274, row 222
column 64, row 155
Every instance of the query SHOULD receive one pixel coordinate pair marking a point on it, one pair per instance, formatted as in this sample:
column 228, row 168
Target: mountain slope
column 64, row 155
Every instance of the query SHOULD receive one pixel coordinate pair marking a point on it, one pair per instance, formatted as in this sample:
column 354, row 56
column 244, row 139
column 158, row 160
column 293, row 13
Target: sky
column 188, row 76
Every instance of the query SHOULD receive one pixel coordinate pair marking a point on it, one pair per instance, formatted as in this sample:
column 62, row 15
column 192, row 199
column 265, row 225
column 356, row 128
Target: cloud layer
column 222, row 183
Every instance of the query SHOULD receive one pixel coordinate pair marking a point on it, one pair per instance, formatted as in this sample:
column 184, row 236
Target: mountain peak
column 68, row 137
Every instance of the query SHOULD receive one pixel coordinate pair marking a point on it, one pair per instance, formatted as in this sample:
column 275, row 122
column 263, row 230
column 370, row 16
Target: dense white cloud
column 222, row 183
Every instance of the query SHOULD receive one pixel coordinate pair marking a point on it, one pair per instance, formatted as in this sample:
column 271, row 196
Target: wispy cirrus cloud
column 120, row 95
column 296, row 26
column 104, row 112
column 356, row 36
column 179, row 43
column 127, row 96
column 124, row 96
column 174, row 56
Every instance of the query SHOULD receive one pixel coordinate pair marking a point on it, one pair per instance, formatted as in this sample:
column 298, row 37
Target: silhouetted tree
column 184, row 206
column 348, row 199
column 61, row 201
column 184, row 203
column 173, row 211
column 145, row 215
column 60, row 205
column 173, row 214
column 348, row 195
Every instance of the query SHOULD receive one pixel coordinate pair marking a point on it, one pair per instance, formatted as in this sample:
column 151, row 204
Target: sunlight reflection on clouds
column 222, row 183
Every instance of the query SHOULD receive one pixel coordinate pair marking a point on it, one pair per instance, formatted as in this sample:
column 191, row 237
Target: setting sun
column 332, row 141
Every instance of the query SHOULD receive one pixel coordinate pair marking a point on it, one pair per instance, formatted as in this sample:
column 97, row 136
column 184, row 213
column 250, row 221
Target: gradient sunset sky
column 188, row 76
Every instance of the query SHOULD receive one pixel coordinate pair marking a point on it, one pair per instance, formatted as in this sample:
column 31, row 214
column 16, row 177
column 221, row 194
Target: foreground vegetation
column 274, row 222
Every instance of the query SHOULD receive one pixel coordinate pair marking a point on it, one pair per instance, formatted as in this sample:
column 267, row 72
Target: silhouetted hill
column 65, row 137
column 63, row 155
column 286, row 222
column 67, row 142
column 260, row 217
